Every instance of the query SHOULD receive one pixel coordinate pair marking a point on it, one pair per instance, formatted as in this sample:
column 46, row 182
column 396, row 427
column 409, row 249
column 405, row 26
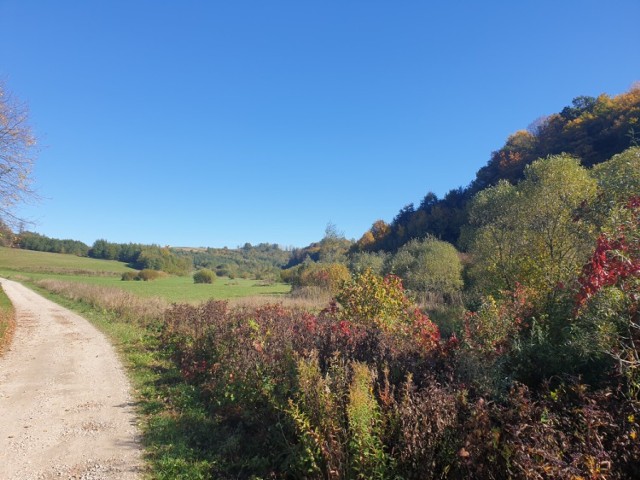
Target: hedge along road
column 65, row 405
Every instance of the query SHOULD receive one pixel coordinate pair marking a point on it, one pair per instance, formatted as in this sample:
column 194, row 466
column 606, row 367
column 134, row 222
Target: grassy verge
column 173, row 421
column 7, row 321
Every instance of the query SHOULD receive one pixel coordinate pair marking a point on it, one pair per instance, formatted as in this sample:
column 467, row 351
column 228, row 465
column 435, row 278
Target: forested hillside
column 590, row 129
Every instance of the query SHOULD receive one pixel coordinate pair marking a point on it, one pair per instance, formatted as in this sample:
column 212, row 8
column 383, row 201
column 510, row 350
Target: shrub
column 370, row 298
column 318, row 418
column 423, row 422
column 430, row 266
column 148, row 275
column 204, row 275
column 359, row 262
column 381, row 302
column 328, row 276
column 608, row 302
column 336, row 396
column 129, row 276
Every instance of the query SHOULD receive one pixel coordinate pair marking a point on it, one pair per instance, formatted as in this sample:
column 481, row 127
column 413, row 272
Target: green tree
column 530, row 233
column 104, row 250
column 333, row 247
column 618, row 178
column 359, row 262
column 496, row 244
column 150, row 259
column 428, row 266
column 6, row 235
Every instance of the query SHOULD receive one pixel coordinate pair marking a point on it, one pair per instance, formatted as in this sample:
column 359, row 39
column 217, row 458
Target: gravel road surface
column 65, row 404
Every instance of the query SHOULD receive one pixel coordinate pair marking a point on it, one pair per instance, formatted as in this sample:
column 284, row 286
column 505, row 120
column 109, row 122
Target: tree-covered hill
column 591, row 129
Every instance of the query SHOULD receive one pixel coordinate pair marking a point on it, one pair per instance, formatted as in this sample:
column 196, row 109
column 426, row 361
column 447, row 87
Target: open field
column 57, row 263
column 181, row 289
column 16, row 263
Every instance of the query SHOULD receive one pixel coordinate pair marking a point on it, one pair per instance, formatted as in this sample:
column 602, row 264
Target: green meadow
column 18, row 264
column 29, row 261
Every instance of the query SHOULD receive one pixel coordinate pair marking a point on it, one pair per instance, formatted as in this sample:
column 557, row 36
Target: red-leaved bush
column 616, row 257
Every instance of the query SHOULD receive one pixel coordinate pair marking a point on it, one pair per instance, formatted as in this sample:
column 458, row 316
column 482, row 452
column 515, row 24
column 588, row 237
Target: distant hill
column 592, row 129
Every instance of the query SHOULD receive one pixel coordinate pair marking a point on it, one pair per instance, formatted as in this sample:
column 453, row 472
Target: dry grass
column 125, row 305
column 81, row 272
column 144, row 310
column 312, row 299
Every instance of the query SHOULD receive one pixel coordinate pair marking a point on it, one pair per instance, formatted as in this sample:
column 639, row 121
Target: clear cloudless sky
column 215, row 123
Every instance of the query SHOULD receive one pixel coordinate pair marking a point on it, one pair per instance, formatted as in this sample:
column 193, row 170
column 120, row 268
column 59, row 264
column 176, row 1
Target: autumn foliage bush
column 607, row 312
column 328, row 276
column 367, row 388
column 284, row 380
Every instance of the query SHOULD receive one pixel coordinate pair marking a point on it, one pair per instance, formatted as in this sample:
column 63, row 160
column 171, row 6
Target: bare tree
column 17, row 154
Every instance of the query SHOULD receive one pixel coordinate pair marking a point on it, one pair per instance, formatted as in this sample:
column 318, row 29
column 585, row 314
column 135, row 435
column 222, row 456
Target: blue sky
column 210, row 123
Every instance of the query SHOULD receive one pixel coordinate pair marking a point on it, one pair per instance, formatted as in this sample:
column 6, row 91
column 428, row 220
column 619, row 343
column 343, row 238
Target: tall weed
column 368, row 460
column 317, row 410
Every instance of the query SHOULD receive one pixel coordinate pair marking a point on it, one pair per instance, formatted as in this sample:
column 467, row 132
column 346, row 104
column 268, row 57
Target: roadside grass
column 174, row 423
column 7, row 321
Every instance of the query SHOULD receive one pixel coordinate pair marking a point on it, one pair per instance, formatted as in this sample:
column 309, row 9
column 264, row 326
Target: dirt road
column 65, row 408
